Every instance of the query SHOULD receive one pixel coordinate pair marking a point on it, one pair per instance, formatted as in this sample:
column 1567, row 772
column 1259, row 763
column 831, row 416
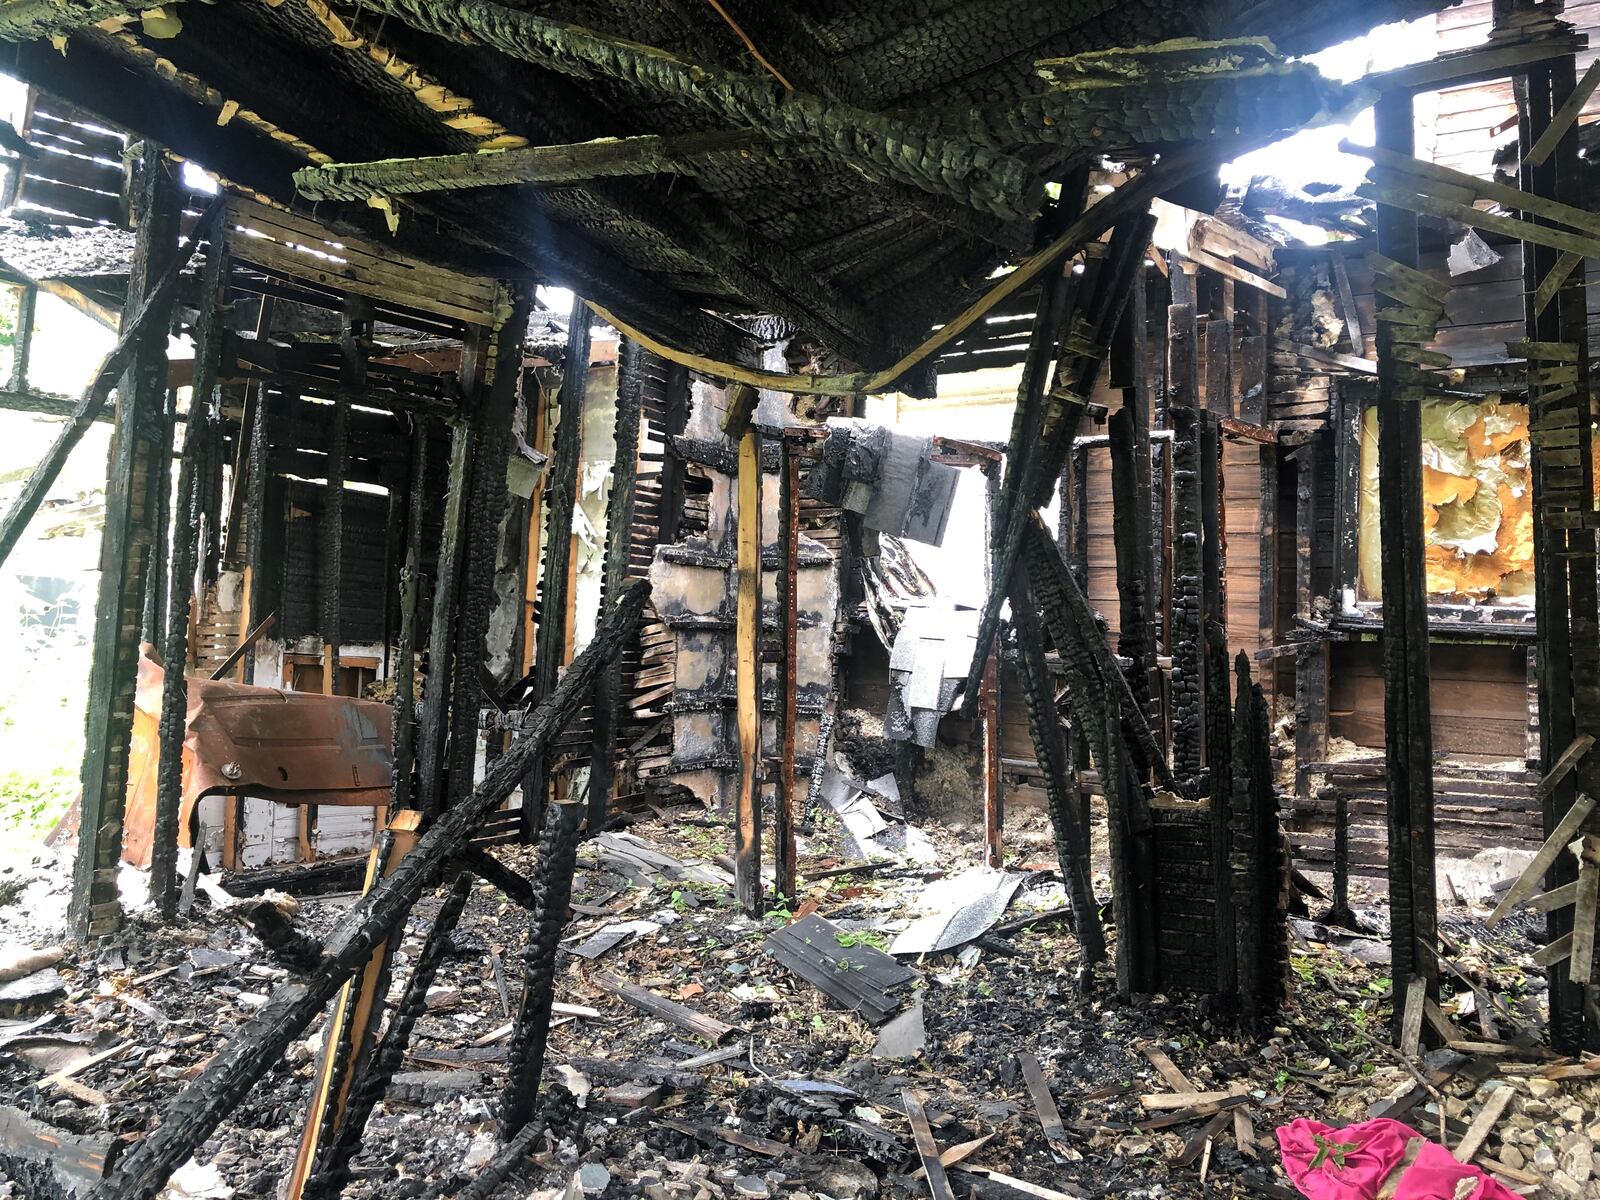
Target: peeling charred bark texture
column 1187, row 636
column 645, row 155
column 332, row 1169
column 259, row 1046
column 504, row 1164
column 1564, row 541
column 137, row 463
column 882, row 146
column 1051, row 748
column 185, row 558
column 1105, row 716
column 492, row 871
column 154, row 309
column 675, row 420
column 500, row 375
column 783, row 800
column 1408, row 733
column 405, row 661
column 552, row 881
column 560, row 497
column 619, row 531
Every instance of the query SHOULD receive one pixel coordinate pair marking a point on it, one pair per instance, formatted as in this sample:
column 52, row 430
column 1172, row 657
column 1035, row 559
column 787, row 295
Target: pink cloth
column 1434, row 1174
column 1352, row 1163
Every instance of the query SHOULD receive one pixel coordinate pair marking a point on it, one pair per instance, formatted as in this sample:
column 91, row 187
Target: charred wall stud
column 138, row 460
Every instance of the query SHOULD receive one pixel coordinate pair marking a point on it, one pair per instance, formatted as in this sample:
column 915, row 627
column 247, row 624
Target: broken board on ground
column 863, row 979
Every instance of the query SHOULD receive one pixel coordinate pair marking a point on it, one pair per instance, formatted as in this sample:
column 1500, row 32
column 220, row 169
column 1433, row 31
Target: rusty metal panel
column 290, row 747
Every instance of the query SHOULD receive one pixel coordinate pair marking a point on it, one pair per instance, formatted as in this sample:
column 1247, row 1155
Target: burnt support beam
column 1408, row 731
column 186, row 536
column 1052, row 749
column 614, row 572
column 152, row 627
column 1562, row 469
column 604, row 157
column 1186, row 639
column 259, row 1046
column 405, row 658
column 138, row 465
column 498, row 376
column 785, row 787
column 560, row 498
column 747, row 648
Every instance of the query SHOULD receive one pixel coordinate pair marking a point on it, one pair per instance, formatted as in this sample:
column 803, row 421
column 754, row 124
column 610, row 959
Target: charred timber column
column 434, row 730
column 619, row 536
column 136, row 459
column 742, row 400
column 185, row 557
column 1187, row 637
column 561, row 497
column 1408, row 733
column 486, row 507
column 405, row 659
column 1563, row 509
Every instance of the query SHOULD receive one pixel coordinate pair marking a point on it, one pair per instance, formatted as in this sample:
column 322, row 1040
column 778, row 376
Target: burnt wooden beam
column 614, row 571
column 785, row 879
column 560, row 498
column 747, row 650
column 138, row 465
column 405, row 659
column 1052, row 749
column 1408, row 731
column 647, row 154
column 433, row 731
column 498, row 377
column 209, row 334
column 259, row 1046
column 882, row 146
column 152, row 626
column 1562, row 470
column 1186, row 638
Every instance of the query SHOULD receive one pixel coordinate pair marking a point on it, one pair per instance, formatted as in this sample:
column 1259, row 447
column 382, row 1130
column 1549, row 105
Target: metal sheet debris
column 960, row 909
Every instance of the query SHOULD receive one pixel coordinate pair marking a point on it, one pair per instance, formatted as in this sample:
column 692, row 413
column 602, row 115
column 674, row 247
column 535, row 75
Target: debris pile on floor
column 905, row 1018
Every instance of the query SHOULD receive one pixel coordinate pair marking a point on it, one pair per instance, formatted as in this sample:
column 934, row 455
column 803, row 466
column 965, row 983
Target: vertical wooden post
column 354, row 1020
column 1186, row 640
column 555, row 583
column 495, row 382
column 788, row 575
column 209, row 333
column 747, row 636
column 1408, row 733
column 22, row 342
column 405, row 660
column 675, row 418
column 1562, row 470
column 619, row 536
column 153, row 624
column 993, row 800
column 135, row 459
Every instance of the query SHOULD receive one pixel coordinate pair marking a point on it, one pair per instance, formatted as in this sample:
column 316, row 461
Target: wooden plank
column 1043, row 1103
column 747, row 632
column 1583, row 923
column 1238, row 274
column 1166, row 1068
column 1564, row 117
column 1544, row 860
column 1161, row 1101
column 1563, row 766
column 696, row 1024
column 364, row 269
column 1483, row 1124
column 1555, row 898
column 1556, row 951
column 1411, row 1020
column 927, row 1148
